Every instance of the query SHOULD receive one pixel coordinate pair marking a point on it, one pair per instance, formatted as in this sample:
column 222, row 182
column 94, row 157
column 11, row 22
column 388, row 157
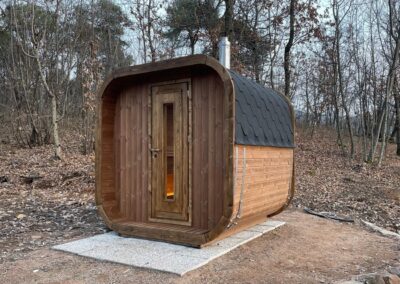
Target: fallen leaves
column 21, row 216
column 44, row 201
column 328, row 181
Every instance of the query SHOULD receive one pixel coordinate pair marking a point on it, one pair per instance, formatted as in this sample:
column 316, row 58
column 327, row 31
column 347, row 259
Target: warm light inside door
column 169, row 151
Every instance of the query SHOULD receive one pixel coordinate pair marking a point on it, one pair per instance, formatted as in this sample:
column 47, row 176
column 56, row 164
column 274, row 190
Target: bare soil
column 307, row 249
column 45, row 202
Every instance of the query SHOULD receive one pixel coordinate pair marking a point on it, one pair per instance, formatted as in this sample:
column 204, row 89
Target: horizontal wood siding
column 263, row 178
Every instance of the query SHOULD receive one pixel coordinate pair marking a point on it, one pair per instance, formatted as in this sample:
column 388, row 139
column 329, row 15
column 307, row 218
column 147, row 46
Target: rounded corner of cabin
column 221, row 70
column 105, row 85
column 104, row 216
column 104, row 213
column 111, row 207
column 292, row 113
column 222, row 227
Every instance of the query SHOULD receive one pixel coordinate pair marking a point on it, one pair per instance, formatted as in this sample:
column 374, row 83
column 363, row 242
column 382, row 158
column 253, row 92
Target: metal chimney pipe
column 224, row 47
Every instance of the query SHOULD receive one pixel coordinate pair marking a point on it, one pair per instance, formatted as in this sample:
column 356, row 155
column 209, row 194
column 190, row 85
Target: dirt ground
column 44, row 202
column 307, row 249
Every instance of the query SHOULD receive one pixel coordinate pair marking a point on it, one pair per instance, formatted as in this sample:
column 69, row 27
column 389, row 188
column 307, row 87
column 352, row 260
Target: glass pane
column 169, row 151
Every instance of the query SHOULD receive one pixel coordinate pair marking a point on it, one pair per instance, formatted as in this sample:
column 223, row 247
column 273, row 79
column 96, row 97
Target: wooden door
column 170, row 153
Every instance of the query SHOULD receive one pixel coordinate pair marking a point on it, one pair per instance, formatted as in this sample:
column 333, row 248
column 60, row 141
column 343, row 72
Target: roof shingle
column 263, row 117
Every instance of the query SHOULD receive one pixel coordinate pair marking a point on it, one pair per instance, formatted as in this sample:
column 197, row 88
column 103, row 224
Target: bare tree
column 288, row 47
column 148, row 24
column 394, row 32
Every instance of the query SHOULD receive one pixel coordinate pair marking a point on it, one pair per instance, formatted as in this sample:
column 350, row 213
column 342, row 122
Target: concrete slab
column 160, row 256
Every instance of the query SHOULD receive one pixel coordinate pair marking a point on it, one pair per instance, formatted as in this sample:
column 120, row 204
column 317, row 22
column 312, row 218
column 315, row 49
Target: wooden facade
column 167, row 166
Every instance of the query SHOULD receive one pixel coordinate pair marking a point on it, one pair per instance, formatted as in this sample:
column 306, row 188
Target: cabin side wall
column 126, row 162
column 105, row 159
column 263, row 179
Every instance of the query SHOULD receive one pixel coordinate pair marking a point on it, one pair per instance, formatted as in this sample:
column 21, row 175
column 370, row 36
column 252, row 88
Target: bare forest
column 336, row 60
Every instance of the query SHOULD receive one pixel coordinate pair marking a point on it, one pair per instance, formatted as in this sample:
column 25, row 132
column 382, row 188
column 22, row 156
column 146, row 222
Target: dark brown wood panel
column 208, row 151
column 131, row 150
column 108, row 193
column 212, row 192
column 129, row 178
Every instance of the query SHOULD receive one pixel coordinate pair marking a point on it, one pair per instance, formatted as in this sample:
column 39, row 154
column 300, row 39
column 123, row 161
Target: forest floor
column 45, row 202
column 327, row 180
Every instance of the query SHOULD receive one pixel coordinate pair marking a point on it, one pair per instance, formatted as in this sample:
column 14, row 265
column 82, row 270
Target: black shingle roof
column 263, row 117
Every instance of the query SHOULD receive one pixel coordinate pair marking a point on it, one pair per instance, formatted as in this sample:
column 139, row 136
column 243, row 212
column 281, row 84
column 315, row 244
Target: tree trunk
column 378, row 133
column 149, row 28
column 374, row 118
column 307, row 119
column 389, row 90
column 288, row 47
column 397, row 123
column 363, row 126
column 54, row 112
column 192, row 41
column 54, row 121
column 340, row 78
column 229, row 19
column 339, row 139
column 395, row 35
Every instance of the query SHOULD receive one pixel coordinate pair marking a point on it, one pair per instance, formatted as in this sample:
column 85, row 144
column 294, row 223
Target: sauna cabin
column 190, row 152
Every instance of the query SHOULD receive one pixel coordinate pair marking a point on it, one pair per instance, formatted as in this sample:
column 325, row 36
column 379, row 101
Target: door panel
column 170, row 192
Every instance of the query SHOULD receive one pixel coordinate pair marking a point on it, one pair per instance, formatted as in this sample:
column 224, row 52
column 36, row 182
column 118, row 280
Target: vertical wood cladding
column 131, row 150
column 208, row 151
column 107, row 156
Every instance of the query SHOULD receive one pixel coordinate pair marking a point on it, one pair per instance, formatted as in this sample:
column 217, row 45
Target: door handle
column 154, row 152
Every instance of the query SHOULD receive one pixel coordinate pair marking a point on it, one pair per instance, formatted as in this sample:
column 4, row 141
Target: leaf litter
column 45, row 201
column 327, row 180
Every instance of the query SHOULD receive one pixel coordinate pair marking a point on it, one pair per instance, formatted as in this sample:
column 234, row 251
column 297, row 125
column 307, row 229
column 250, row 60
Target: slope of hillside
column 328, row 181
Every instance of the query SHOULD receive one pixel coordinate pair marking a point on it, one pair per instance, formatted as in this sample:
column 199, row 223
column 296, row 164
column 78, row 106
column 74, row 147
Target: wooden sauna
column 189, row 152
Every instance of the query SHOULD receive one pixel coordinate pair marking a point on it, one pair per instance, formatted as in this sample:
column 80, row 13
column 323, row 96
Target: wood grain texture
column 208, row 150
column 131, row 150
column 105, row 178
column 131, row 145
column 122, row 156
column 263, row 178
column 174, row 69
column 176, row 96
